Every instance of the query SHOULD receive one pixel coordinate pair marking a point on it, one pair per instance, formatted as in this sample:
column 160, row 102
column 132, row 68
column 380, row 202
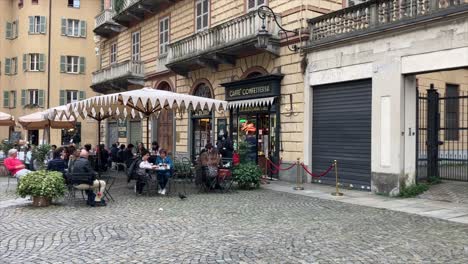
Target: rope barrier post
column 337, row 193
column 299, row 186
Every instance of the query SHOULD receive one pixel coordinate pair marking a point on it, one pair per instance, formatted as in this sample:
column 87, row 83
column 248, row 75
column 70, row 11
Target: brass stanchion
column 337, row 192
column 298, row 177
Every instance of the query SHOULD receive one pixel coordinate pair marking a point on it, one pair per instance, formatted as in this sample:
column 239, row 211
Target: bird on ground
column 182, row 197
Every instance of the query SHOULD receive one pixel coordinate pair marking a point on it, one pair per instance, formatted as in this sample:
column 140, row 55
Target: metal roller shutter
column 342, row 131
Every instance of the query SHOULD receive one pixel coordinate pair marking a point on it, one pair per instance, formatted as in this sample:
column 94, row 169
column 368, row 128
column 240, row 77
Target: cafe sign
column 265, row 86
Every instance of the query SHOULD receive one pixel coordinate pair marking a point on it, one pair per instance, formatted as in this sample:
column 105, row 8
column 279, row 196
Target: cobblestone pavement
column 450, row 191
column 259, row 226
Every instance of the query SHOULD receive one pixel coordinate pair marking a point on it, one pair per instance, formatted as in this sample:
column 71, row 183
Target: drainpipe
column 49, row 62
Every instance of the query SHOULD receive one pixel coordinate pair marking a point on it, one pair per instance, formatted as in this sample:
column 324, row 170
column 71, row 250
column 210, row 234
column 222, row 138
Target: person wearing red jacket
column 14, row 165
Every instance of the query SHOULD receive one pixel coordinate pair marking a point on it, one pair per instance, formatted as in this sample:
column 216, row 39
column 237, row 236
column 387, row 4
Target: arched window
column 164, row 86
column 203, row 90
column 254, row 75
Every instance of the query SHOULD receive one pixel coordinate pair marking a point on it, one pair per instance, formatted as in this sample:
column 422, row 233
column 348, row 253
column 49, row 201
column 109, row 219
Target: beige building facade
column 210, row 48
column 47, row 57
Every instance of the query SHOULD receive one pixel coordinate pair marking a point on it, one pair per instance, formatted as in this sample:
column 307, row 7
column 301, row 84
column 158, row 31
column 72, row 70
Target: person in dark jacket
column 114, row 150
column 57, row 163
column 83, row 167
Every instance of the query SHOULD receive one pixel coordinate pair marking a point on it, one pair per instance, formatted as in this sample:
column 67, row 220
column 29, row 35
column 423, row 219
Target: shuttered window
column 72, row 64
column 136, row 46
column 11, row 66
column 113, row 53
column 254, row 4
column 11, row 31
column 33, row 62
column 203, row 14
column 73, row 28
column 9, row 99
column 32, row 97
column 163, row 35
column 37, row 25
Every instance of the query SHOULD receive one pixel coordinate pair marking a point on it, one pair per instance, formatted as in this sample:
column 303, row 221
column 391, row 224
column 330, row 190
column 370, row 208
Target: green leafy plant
column 40, row 153
column 243, row 149
column 413, row 190
column 247, row 175
column 49, row 184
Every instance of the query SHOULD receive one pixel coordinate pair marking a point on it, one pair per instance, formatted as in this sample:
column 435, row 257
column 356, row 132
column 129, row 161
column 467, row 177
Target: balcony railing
column 105, row 16
column 377, row 15
column 229, row 33
column 121, row 5
column 161, row 63
column 130, row 69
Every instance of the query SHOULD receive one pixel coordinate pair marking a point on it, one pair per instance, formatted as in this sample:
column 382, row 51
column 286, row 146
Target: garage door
column 342, row 131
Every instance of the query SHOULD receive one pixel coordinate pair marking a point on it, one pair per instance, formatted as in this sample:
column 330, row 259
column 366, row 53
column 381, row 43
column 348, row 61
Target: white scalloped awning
column 251, row 102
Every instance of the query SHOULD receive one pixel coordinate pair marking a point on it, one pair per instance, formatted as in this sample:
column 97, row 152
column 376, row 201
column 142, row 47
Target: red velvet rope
column 317, row 175
column 278, row 168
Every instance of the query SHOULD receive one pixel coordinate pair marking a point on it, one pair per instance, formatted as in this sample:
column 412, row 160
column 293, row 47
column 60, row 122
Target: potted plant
column 42, row 186
column 39, row 155
column 247, row 175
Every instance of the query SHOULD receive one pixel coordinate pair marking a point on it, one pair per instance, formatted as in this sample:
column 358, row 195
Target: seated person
column 143, row 176
column 165, row 173
column 209, row 160
column 14, row 165
column 57, row 163
column 82, row 166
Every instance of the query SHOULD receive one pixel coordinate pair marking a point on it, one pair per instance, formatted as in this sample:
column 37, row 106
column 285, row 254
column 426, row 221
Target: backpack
column 132, row 169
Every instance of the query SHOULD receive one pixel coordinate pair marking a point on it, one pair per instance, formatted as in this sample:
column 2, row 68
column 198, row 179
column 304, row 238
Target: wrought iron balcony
column 118, row 77
column 222, row 44
column 105, row 25
column 377, row 16
column 128, row 11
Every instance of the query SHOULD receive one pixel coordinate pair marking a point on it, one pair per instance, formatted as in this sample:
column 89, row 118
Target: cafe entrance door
column 256, row 133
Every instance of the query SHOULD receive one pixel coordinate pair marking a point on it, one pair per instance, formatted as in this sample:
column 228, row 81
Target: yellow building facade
column 211, row 49
column 47, row 54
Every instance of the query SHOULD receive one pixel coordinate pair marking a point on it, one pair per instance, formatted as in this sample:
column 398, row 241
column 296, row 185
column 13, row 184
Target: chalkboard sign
column 15, row 136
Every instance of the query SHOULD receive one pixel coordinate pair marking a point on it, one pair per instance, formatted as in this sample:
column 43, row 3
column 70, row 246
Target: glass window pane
column 205, row 6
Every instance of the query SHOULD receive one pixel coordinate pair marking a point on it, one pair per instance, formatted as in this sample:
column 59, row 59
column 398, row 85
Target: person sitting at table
column 57, row 163
column 82, row 166
column 209, row 160
column 164, row 171
column 14, row 165
column 143, row 175
column 140, row 149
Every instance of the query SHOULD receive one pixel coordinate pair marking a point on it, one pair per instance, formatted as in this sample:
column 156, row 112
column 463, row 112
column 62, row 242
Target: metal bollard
column 337, row 192
column 299, row 186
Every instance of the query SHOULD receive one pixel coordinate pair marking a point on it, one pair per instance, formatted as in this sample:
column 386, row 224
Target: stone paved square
column 260, row 226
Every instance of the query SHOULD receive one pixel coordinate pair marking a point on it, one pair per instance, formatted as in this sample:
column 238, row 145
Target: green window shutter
column 25, row 62
column 43, row 24
column 6, row 99
column 9, row 29
column 40, row 99
column 16, row 29
column 7, row 66
column 64, row 27
column 62, row 97
column 23, row 97
column 63, row 63
column 82, row 95
column 31, row 24
column 14, row 98
column 16, row 65
column 83, row 28
column 41, row 62
column 82, row 64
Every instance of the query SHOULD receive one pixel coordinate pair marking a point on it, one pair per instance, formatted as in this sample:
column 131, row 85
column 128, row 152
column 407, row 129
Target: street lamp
column 264, row 36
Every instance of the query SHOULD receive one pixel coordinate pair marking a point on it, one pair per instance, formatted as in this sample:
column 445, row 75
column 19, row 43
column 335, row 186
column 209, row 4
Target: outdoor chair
column 72, row 181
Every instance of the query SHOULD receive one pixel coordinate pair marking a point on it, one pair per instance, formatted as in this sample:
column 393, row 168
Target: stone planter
column 41, row 201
